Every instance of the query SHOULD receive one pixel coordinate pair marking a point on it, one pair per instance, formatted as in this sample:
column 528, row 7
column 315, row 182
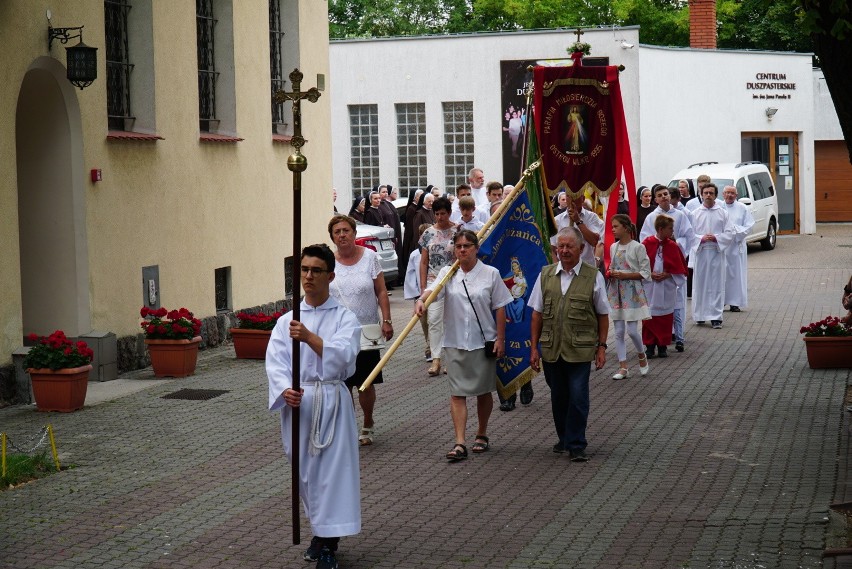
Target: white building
column 412, row 111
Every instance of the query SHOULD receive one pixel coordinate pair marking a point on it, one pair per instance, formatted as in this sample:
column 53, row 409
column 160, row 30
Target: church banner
column 576, row 126
column 516, row 249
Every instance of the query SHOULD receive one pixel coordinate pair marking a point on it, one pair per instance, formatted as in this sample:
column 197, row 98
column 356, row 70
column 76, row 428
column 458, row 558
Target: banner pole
column 496, row 217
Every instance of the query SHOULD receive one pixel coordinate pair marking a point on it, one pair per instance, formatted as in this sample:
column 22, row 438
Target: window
column 411, row 145
column 364, row 144
column 742, row 190
column 458, row 142
column 118, row 64
column 205, row 25
column 217, row 102
column 276, row 65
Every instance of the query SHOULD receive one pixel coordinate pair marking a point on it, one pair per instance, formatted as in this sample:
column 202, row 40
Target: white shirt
column 473, row 225
column 479, row 195
column 683, row 233
column 599, row 296
column 487, row 291
column 590, row 220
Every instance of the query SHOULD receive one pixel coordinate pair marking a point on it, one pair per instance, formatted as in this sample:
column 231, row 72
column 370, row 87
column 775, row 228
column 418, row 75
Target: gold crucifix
column 296, row 96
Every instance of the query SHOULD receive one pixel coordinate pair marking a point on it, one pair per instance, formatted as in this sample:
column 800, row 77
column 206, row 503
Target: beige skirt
column 469, row 373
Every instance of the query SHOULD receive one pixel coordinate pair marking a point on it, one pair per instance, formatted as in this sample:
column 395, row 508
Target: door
column 833, row 177
column 780, row 153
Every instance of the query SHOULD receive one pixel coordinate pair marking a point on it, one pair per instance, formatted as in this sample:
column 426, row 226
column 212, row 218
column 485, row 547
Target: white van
column 755, row 189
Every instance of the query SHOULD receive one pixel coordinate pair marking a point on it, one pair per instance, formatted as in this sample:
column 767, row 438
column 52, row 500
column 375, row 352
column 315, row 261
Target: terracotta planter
column 829, row 352
column 173, row 358
column 62, row 390
column 250, row 344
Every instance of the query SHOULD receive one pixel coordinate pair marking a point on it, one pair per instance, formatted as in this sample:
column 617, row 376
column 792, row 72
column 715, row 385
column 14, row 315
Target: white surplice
column 736, row 256
column 662, row 295
column 329, row 482
column 708, row 261
column 683, row 233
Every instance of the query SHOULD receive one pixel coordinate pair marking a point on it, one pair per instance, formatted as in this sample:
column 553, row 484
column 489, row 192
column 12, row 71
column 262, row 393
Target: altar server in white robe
column 683, row 234
column 713, row 235
column 329, row 475
column 736, row 256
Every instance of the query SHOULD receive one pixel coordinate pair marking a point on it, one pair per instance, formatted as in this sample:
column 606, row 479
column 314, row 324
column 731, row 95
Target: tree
column 830, row 26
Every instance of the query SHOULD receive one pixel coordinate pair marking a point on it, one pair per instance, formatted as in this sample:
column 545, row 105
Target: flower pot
column 173, row 358
column 250, row 344
column 62, row 390
column 829, row 351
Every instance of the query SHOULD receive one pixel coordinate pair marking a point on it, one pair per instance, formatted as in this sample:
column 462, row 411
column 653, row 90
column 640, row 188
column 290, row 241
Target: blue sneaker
column 327, row 560
column 312, row 553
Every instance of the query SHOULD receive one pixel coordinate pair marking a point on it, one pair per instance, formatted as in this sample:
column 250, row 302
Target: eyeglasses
column 313, row 270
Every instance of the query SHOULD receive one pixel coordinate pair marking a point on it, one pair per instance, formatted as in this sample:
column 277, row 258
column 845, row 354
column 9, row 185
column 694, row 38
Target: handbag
column 371, row 334
column 489, row 344
column 372, row 337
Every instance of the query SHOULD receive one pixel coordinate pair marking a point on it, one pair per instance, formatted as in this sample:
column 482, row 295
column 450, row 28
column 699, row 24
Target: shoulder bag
column 489, row 344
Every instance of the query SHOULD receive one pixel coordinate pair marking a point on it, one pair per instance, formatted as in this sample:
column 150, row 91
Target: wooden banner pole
column 492, row 221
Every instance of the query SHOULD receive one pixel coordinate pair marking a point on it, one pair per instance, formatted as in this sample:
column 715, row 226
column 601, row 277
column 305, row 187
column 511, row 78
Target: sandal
column 459, row 452
column 366, row 437
column 480, row 444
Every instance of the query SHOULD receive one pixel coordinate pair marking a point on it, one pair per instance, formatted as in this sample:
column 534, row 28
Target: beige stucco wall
column 187, row 206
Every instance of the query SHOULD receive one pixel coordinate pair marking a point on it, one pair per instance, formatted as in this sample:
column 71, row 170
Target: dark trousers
column 569, row 399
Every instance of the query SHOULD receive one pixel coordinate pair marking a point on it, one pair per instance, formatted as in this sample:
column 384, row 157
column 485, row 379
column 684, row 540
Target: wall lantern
column 81, row 59
column 770, row 112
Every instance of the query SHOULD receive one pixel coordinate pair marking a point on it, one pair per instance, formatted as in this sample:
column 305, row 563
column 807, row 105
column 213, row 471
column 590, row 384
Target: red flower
column 33, row 337
column 144, row 312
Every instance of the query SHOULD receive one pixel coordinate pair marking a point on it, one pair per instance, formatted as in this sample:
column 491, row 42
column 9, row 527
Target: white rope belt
column 315, row 435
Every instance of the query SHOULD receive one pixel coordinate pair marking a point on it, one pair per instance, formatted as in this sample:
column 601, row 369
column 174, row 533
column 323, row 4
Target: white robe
column 736, row 256
column 683, row 233
column 708, row 261
column 662, row 295
column 329, row 481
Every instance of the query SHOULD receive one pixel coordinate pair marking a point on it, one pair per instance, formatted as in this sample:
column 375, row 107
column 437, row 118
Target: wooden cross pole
column 296, row 163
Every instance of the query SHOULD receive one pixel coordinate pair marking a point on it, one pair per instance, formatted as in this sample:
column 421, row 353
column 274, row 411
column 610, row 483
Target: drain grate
column 195, row 394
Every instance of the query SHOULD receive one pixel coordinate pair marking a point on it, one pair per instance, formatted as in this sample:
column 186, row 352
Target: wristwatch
column 579, row 222
column 387, row 321
column 602, row 345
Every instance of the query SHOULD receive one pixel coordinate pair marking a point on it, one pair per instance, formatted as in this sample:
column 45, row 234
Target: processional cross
column 296, row 163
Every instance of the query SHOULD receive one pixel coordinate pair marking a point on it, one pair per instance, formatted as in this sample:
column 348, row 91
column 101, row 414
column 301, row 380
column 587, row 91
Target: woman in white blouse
column 359, row 285
column 470, row 296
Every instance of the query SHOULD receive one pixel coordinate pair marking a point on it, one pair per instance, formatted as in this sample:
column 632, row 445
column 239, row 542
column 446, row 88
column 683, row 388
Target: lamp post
column 296, row 163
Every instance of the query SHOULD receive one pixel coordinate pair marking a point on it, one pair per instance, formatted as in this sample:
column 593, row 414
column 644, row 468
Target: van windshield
column 721, row 183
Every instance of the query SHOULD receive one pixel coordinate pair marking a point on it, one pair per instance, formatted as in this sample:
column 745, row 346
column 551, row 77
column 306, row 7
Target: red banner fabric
column 573, row 115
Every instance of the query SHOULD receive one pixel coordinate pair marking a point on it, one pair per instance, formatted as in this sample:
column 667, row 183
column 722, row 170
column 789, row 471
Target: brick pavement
column 725, row 456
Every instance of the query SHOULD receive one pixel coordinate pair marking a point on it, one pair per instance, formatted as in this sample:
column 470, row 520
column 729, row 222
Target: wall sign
column 770, row 82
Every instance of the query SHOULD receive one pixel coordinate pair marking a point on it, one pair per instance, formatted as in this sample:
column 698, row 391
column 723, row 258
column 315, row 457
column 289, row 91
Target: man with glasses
column 329, row 336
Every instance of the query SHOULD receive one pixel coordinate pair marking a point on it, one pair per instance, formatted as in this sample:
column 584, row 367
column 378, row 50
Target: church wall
column 187, row 206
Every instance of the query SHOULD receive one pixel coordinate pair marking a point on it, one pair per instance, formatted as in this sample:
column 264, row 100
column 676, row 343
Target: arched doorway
column 51, row 203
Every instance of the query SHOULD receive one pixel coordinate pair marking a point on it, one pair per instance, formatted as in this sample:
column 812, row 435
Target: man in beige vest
column 571, row 320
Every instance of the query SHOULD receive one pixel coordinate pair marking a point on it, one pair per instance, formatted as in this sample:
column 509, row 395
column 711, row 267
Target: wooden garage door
column 833, row 181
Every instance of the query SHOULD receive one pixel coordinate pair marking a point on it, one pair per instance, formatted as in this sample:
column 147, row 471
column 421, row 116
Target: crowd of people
column 642, row 291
